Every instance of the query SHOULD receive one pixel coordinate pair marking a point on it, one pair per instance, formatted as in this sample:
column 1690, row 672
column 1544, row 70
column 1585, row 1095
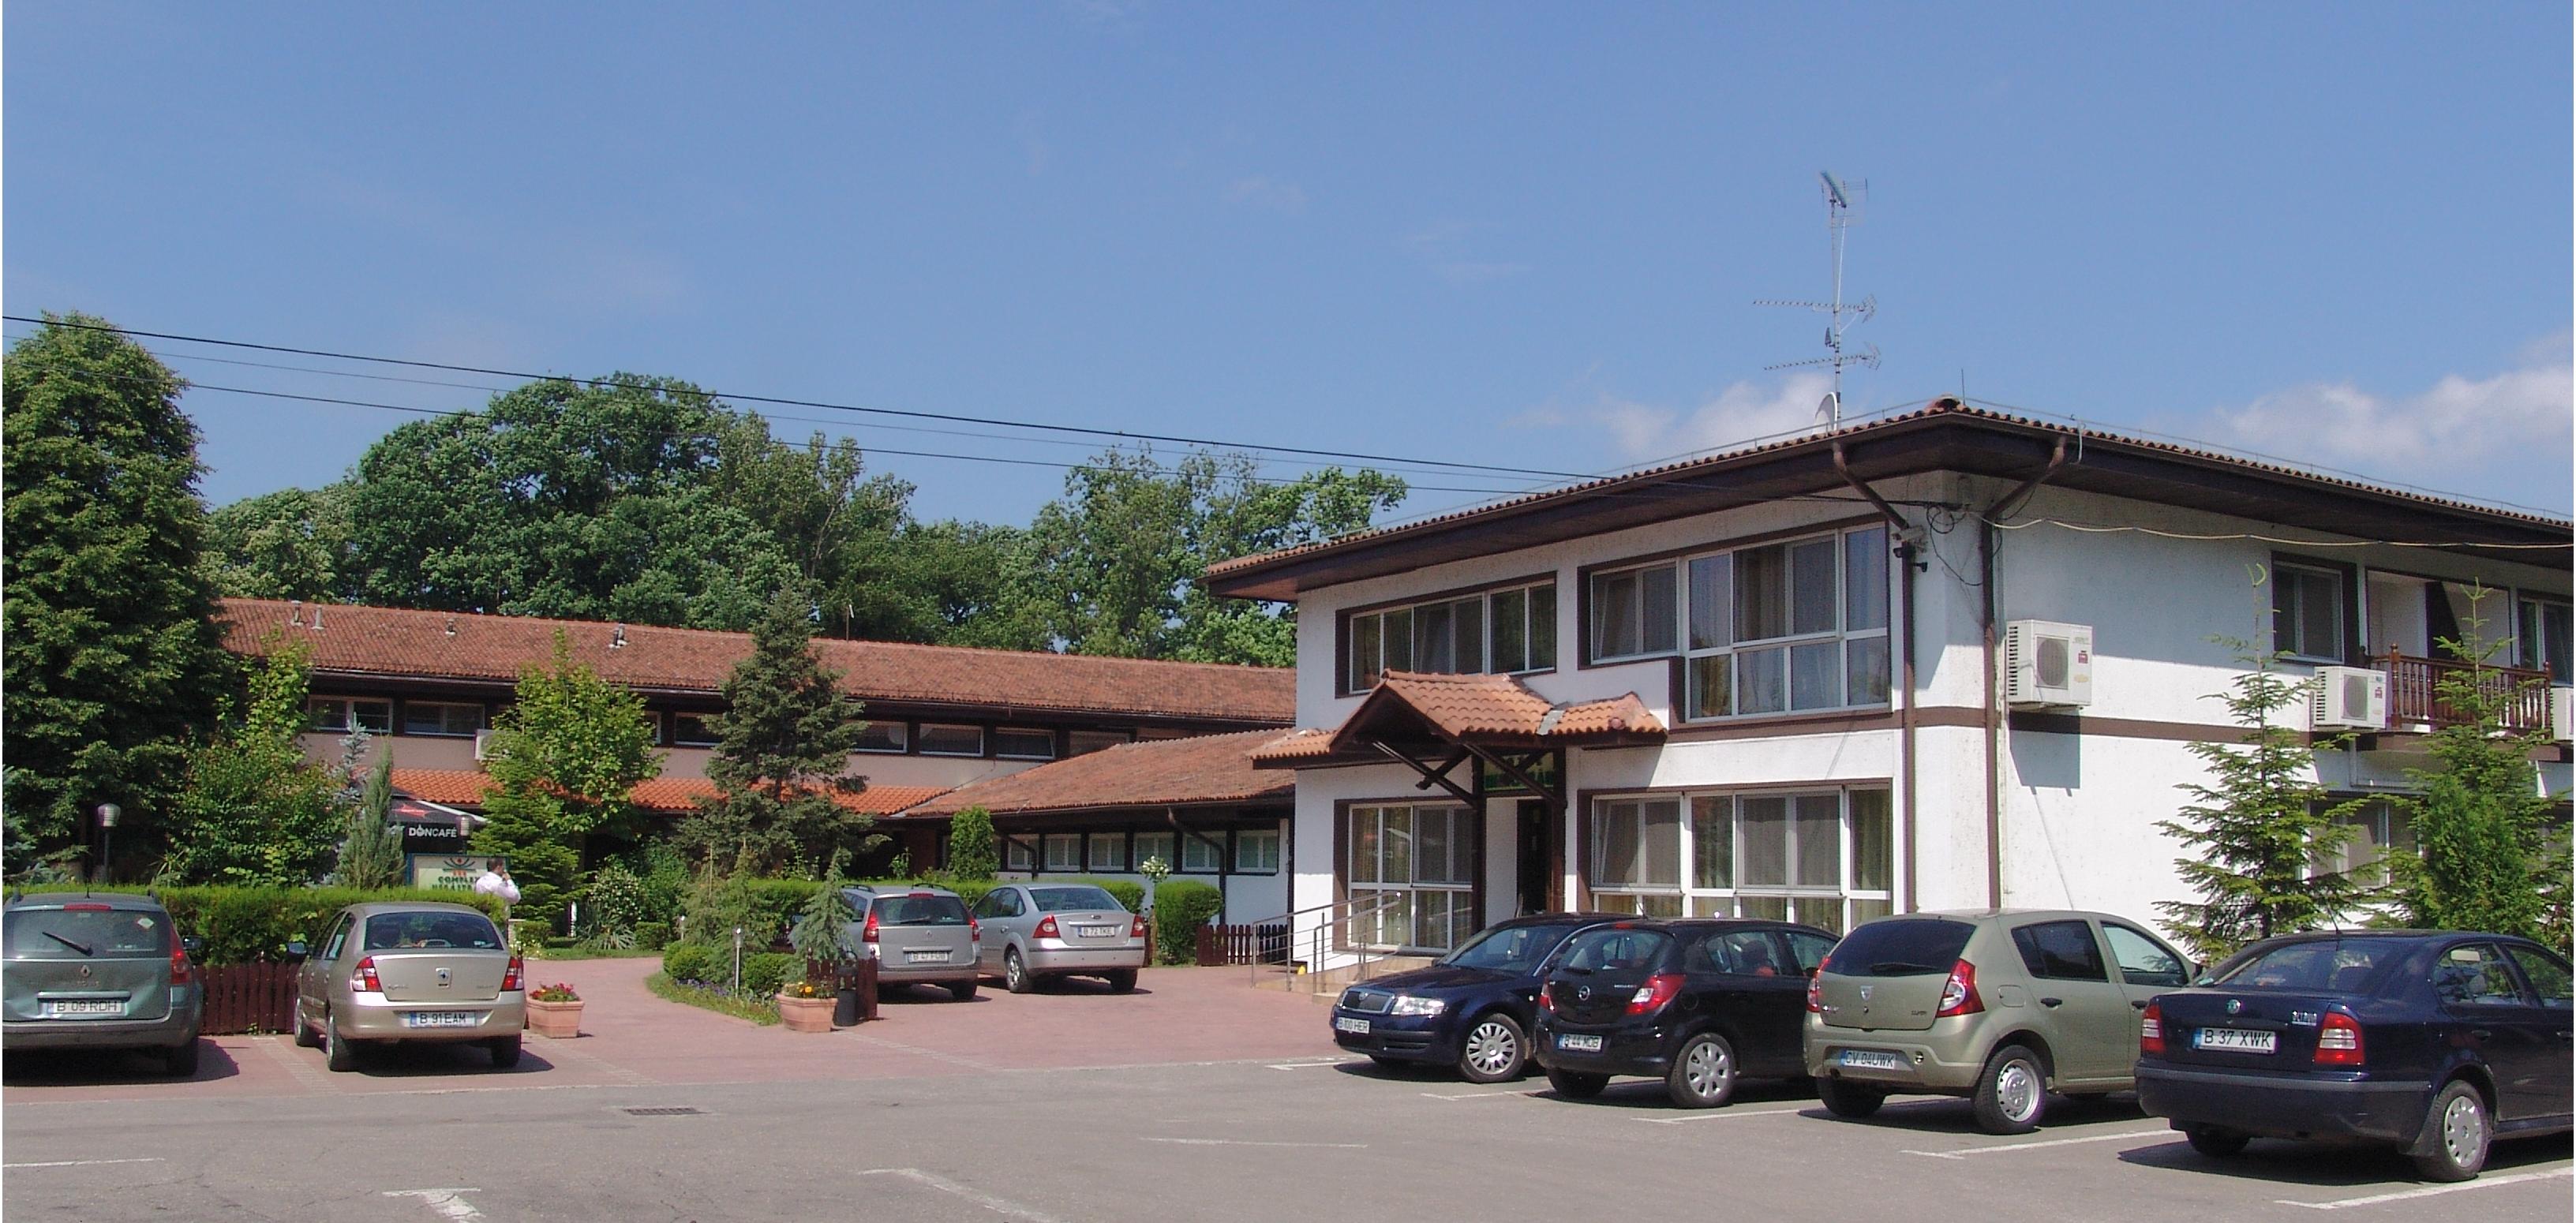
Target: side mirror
column 296, row 950
column 191, row 944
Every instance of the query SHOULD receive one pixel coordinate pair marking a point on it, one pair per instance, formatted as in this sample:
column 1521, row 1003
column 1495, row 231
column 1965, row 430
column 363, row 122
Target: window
column 1108, row 851
column 1154, row 845
column 1256, row 853
column 1016, row 854
column 1063, row 851
column 1085, row 742
column 948, row 740
column 1015, row 743
column 1500, row 631
column 440, row 718
column 2143, row 960
column 2546, row 973
column 348, row 713
column 882, row 737
column 2542, row 631
column 1202, row 853
column 1416, row 864
column 2380, row 827
column 1634, row 612
column 690, row 730
column 1000, row 902
column 2307, row 612
column 2475, row 975
column 1778, row 628
column 1820, row 858
column 2060, row 951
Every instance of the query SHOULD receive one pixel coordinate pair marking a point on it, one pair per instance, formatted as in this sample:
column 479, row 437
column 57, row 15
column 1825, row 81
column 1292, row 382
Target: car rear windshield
column 1508, row 948
column 921, row 911
column 75, row 934
column 2314, row 964
column 1060, row 900
column 1909, row 948
column 1614, row 949
column 396, row 931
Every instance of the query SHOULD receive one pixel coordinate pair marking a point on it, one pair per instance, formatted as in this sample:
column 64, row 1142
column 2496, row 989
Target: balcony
column 2415, row 698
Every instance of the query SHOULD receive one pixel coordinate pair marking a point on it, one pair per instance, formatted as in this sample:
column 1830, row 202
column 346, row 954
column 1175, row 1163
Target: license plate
column 2235, row 1040
column 1872, row 1059
column 1579, row 1044
column 1096, row 931
column 925, row 957
column 1356, row 1027
column 440, row 1019
column 102, row 1006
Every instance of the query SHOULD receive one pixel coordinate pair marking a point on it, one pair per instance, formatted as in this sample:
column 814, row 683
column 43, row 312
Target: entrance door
column 1536, row 867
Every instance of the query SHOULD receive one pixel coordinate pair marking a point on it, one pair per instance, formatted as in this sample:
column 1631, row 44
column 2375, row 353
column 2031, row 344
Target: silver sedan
column 1033, row 931
column 403, row 973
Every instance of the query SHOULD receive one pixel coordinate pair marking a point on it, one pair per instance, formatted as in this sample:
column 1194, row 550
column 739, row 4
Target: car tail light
column 1816, row 987
column 363, row 979
column 868, row 932
column 1959, row 993
column 1658, row 990
column 2339, row 1040
column 2151, row 1030
column 1136, row 928
column 515, row 975
column 974, row 929
column 1047, row 927
column 180, row 968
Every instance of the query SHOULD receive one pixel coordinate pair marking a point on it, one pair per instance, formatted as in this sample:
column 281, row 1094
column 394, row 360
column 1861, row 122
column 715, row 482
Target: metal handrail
column 1319, row 936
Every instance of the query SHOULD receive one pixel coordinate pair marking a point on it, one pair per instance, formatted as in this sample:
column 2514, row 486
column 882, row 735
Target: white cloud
column 2458, row 426
column 1742, row 414
column 1442, row 247
column 1263, row 191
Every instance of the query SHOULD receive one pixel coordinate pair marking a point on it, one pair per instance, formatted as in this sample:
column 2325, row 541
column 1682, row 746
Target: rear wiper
column 1886, row 967
column 79, row 947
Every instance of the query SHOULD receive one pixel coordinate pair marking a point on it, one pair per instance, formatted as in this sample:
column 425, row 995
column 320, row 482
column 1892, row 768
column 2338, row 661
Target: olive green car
column 2001, row 1006
column 410, row 973
column 100, row 971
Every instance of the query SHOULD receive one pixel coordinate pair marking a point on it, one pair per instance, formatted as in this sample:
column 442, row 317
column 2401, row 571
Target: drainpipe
column 1988, row 537
column 1905, row 553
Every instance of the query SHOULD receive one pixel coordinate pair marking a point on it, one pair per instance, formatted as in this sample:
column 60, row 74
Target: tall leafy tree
column 256, row 810
column 113, row 665
column 565, row 759
column 289, row 544
column 782, row 752
column 971, row 851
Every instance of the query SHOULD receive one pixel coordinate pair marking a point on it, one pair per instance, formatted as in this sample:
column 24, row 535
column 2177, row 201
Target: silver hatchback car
column 99, row 971
column 917, row 936
column 410, row 972
column 1033, row 931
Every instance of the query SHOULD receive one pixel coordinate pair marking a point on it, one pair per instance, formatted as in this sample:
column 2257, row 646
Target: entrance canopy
column 1435, row 723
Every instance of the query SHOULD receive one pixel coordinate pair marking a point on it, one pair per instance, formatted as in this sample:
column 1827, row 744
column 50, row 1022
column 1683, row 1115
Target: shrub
column 968, row 890
column 763, row 975
column 616, row 900
column 1129, row 893
column 1181, row 906
column 652, row 935
column 970, row 845
column 241, row 925
column 762, row 907
column 688, row 962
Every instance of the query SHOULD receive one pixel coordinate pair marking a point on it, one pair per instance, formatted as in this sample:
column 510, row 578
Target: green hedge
column 1181, row 906
column 241, row 925
column 652, row 935
column 764, row 974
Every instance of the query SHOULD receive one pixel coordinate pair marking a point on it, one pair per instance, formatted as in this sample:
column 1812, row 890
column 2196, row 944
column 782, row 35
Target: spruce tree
column 114, row 665
column 371, row 848
column 782, row 752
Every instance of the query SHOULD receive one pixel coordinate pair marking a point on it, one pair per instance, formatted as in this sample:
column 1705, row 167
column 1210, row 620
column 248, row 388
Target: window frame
column 1244, row 837
column 1695, row 659
column 899, row 730
column 2536, row 655
column 1837, row 907
column 677, row 740
column 983, row 742
column 1047, row 843
column 482, row 719
column 1092, row 859
column 1198, row 843
column 994, row 737
column 348, row 713
column 1536, row 645
column 2344, row 579
column 1458, row 894
column 1018, row 854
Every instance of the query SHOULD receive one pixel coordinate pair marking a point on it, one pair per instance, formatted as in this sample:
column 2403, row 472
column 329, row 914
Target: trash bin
column 845, row 1007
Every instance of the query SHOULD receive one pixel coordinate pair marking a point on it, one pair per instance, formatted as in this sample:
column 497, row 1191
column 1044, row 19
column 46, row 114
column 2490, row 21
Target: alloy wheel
column 2464, row 1130
column 1493, row 1048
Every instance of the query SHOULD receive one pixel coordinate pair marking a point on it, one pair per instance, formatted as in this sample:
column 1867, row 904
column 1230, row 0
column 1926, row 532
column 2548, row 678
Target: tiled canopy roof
column 1489, row 710
column 667, row 795
column 1159, row 773
column 396, row 643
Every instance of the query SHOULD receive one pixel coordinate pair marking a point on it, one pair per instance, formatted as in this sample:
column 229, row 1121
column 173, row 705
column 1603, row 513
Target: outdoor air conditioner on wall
column 2047, row 663
column 2562, row 713
column 482, row 744
column 2348, row 698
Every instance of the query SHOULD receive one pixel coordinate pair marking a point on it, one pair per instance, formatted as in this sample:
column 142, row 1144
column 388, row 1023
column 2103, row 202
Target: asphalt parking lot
column 1307, row 1137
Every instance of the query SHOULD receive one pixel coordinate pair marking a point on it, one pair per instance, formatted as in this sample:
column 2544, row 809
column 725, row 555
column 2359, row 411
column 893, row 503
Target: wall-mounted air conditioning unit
column 2047, row 664
column 2562, row 713
column 2348, row 698
column 482, row 745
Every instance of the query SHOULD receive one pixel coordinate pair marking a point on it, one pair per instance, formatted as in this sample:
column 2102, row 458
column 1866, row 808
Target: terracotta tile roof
column 669, row 795
column 1304, row 743
column 392, row 642
column 1495, row 710
column 1156, row 773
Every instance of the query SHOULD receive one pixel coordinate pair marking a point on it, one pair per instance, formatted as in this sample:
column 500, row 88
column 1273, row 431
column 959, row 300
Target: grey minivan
column 917, row 936
column 99, row 970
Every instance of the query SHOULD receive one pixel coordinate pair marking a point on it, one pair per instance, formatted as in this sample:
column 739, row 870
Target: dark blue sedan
column 1473, row 1009
column 2437, row 1043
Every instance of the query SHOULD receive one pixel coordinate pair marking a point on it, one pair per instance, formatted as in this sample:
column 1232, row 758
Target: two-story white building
column 1949, row 658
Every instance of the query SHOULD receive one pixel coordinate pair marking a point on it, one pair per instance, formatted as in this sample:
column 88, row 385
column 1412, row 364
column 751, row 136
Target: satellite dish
column 1830, row 408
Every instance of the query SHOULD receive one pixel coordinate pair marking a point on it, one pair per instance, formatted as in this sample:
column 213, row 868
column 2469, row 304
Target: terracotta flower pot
column 806, row 1014
column 560, row 1020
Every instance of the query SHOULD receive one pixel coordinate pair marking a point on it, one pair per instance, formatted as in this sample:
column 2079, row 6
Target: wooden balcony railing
column 2415, row 697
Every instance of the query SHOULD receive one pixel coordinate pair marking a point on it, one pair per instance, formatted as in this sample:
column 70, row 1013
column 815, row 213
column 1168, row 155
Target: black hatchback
column 1699, row 1004
column 1471, row 1010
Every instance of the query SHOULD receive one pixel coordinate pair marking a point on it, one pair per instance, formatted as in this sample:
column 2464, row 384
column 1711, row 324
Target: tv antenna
column 1842, row 209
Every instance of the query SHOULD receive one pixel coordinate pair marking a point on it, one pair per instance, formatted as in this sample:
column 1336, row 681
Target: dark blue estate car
column 1473, row 1009
column 2435, row 1042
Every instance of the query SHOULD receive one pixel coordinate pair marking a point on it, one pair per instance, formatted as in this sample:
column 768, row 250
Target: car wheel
column 2216, row 1143
column 963, row 991
column 181, row 1061
column 1849, row 1099
column 1576, row 1085
column 1121, row 981
column 1703, row 1073
column 2457, row 1132
column 338, row 1052
column 304, row 1033
column 505, row 1052
column 1015, row 973
column 2012, row 1092
column 1495, row 1049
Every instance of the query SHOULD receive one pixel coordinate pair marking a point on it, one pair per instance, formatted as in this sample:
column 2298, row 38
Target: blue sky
column 1520, row 235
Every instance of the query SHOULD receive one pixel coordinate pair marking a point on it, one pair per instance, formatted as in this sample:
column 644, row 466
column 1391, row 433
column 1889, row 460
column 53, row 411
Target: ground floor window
column 1410, row 871
column 1063, row 852
column 1151, row 846
column 1821, row 857
column 2380, row 827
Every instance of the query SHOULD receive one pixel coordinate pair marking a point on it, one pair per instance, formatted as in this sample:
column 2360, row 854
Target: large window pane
column 1614, row 844
column 1711, row 686
column 1431, row 640
column 1811, row 570
column 1542, row 627
column 1815, row 675
column 1712, row 843
column 1872, row 840
column 1762, row 827
column 1660, row 825
column 1867, row 675
column 1711, row 601
column 1820, row 840
column 1511, row 631
column 1364, row 844
column 1865, row 579
column 1467, row 616
column 1762, row 681
column 1364, row 652
column 1614, row 615
column 1399, row 639
column 1431, row 846
column 1661, row 608
column 1761, row 593
column 1763, row 908
column 1397, row 864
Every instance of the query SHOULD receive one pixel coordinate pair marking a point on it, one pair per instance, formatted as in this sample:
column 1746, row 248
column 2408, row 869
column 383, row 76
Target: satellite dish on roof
column 1830, row 408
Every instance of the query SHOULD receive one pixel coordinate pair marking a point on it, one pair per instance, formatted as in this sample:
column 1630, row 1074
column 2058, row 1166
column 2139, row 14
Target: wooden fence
column 1220, row 945
column 249, row 998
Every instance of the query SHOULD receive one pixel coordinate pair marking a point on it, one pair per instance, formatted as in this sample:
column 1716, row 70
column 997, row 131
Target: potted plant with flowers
column 820, row 938
column 554, row 1011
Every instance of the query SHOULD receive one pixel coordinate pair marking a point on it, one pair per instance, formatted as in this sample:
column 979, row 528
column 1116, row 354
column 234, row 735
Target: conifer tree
column 371, row 849
column 782, row 752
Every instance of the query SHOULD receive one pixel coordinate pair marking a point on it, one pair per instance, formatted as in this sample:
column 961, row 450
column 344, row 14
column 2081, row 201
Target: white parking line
column 2402, row 1195
column 1721, row 1114
column 1001, row 1206
column 2053, row 1142
column 1303, row 1065
column 1246, row 1142
column 444, row 1201
column 1475, row 1095
column 84, row 1163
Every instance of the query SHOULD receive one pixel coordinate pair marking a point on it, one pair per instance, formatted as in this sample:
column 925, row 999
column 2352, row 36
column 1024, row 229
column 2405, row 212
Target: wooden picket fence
column 249, row 998
column 1219, row 945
